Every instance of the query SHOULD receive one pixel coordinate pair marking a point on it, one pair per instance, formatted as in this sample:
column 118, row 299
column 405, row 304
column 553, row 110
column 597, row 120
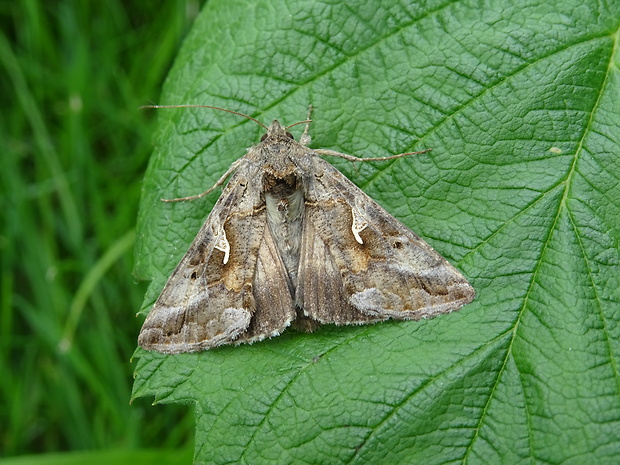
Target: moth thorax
column 285, row 212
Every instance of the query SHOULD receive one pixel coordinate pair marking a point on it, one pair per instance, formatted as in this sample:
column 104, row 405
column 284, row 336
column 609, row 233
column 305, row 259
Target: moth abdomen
column 285, row 212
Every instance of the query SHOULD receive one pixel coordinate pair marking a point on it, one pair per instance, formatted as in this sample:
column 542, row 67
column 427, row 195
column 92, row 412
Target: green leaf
column 519, row 103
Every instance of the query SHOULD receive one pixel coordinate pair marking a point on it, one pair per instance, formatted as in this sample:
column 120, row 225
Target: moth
column 291, row 241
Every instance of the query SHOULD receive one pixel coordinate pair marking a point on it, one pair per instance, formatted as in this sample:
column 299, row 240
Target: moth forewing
column 292, row 240
column 390, row 272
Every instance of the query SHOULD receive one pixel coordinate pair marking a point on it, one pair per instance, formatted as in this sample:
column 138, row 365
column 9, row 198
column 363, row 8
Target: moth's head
column 276, row 131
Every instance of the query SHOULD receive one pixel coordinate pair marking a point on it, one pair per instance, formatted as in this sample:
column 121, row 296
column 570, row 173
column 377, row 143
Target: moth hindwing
column 292, row 241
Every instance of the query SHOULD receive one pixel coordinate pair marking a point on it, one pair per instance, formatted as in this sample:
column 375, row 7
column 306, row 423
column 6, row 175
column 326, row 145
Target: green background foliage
column 74, row 151
column 520, row 105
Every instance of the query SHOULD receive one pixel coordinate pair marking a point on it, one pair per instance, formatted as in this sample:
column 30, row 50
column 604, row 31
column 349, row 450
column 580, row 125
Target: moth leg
column 333, row 153
column 305, row 138
column 219, row 182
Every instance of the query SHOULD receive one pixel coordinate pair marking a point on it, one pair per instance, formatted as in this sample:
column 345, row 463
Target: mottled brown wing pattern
column 209, row 300
column 320, row 290
column 292, row 241
column 392, row 274
column 274, row 309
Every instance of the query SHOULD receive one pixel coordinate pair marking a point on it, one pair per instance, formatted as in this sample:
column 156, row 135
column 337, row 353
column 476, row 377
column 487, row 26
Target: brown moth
column 291, row 241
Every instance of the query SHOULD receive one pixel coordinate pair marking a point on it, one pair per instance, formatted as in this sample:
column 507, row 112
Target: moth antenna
column 300, row 122
column 332, row 153
column 208, row 106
